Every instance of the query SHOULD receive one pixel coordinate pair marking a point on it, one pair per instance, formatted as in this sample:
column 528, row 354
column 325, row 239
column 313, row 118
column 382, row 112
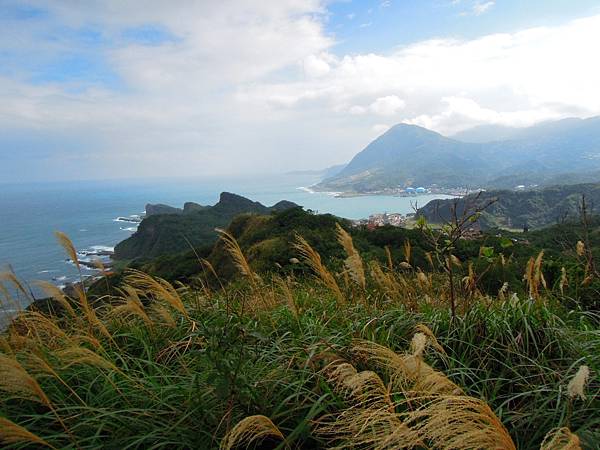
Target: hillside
column 410, row 155
column 170, row 230
column 268, row 243
column 516, row 209
column 343, row 348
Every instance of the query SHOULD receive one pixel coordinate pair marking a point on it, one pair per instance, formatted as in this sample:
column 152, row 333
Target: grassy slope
column 535, row 208
column 181, row 369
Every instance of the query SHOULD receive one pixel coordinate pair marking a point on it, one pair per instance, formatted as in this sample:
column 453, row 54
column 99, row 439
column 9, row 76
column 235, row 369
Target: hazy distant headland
column 408, row 157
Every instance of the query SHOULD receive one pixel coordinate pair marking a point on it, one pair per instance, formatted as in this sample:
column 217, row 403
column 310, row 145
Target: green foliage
column 175, row 233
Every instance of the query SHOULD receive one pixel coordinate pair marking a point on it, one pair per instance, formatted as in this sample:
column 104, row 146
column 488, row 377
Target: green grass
column 184, row 379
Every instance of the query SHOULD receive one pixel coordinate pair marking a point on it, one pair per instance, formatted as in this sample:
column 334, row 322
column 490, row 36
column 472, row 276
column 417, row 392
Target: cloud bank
column 194, row 88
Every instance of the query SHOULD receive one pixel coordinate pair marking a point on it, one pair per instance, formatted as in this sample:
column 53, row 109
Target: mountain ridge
column 408, row 155
column 170, row 232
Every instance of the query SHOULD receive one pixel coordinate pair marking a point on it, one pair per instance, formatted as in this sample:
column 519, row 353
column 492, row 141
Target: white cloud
column 380, row 128
column 249, row 86
column 481, row 7
column 474, row 7
column 387, row 106
column 315, row 66
column 512, row 78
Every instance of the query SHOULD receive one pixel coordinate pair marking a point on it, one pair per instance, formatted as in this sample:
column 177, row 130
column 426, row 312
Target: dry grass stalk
column 11, row 433
column 406, row 373
column 5, row 346
column 456, row 261
column 159, row 289
column 539, row 275
column 313, row 259
column 14, row 379
column 40, row 330
column 80, row 355
column 12, row 278
column 407, row 251
column 423, row 281
column 388, row 255
column 560, row 439
column 563, row 280
column 366, row 427
column 57, row 294
column 534, row 276
column 365, row 387
column 390, row 286
column 251, row 430
column 38, row 365
column 284, row 285
column 457, row 422
column 354, row 264
column 89, row 312
column 430, row 260
column 470, row 280
column 435, row 412
column 235, row 251
column 160, row 314
column 131, row 307
column 418, row 344
column 67, row 244
column 580, row 248
column 576, row 387
column 370, row 421
column 431, row 339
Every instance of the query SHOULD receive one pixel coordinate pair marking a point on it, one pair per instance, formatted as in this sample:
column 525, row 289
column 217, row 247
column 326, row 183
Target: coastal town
column 401, row 191
column 382, row 219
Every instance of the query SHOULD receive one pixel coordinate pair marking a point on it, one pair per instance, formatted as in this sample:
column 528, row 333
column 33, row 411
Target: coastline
column 453, row 192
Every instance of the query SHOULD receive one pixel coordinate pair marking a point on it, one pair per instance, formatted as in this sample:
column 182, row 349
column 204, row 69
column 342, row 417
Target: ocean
column 88, row 213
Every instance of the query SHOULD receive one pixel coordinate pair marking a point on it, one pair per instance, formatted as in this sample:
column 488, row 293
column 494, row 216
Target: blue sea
column 87, row 212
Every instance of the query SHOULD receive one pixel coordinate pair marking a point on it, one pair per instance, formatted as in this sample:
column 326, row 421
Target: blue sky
column 379, row 26
column 108, row 88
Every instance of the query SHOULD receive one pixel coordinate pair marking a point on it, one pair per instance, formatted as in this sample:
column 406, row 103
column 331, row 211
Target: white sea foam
column 132, row 229
column 131, row 219
column 102, row 248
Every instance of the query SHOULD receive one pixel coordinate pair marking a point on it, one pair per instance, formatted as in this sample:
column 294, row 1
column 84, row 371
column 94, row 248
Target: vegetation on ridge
column 361, row 356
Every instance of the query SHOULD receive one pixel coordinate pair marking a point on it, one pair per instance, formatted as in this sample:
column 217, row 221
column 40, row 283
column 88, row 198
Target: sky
column 111, row 89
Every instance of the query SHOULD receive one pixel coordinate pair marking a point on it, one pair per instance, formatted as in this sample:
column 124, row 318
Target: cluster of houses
column 382, row 219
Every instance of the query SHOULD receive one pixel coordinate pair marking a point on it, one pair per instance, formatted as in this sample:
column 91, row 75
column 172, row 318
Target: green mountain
column 170, row 230
column 410, row 155
column 517, row 209
column 493, row 133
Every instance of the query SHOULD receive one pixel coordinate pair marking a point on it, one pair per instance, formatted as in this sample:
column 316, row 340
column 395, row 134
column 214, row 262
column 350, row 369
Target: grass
column 367, row 358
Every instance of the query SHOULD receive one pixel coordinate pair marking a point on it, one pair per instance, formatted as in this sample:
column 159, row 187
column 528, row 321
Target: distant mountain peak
column 229, row 197
column 410, row 154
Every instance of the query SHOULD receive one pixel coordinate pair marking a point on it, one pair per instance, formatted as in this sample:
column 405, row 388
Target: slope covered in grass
column 367, row 356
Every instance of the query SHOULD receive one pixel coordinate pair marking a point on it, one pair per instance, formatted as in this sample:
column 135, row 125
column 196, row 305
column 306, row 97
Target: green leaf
column 488, row 252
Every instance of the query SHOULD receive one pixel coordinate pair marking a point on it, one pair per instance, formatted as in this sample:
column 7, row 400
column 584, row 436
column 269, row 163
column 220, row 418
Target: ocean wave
column 130, row 219
column 128, row 228
column 102, row 248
